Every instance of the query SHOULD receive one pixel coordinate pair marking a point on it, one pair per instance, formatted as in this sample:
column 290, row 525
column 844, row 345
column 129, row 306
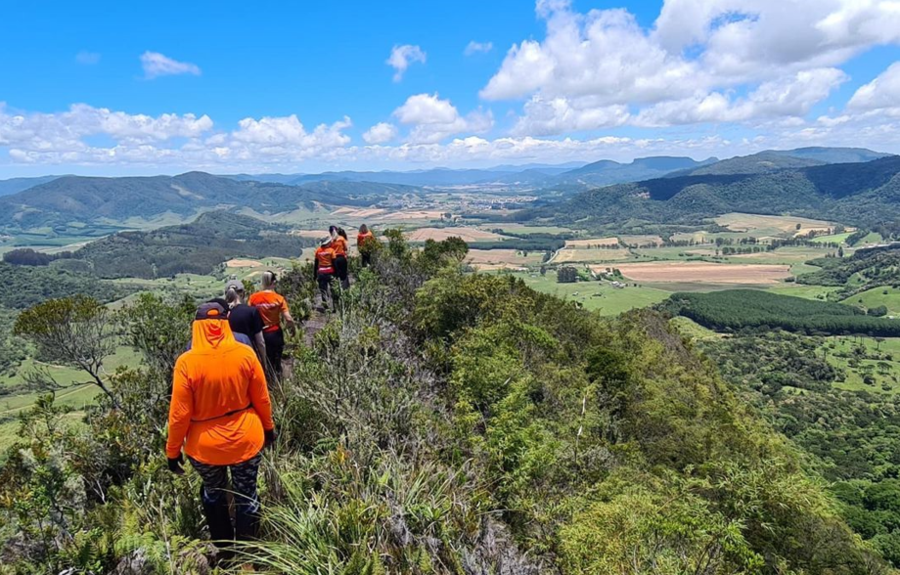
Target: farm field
column 467, row 234
column 493, row 260
column 883, row 295
column 772, row 225
column 591, row 243
column 598, row 296
column 527, row 229
column 705, row 272
column 589, row 255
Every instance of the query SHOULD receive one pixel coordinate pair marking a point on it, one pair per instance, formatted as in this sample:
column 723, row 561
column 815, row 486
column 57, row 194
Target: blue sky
column 128, row 88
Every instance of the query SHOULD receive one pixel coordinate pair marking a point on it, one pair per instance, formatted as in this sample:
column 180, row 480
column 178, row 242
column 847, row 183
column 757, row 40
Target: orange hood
column 212, row 335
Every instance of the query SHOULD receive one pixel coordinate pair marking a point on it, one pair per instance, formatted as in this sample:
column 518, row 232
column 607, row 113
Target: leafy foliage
column 198, row 247
column 26, row 286
column 739, row 309
column 443, row 422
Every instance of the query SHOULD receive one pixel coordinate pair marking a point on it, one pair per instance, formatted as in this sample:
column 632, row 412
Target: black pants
column 274, row 349
column 366, row 258
column 340, row 268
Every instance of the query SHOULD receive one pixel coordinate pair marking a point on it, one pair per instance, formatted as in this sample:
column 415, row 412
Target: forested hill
column 864, row 193
column 197, row 247
column 440, row 422
column 86, row 199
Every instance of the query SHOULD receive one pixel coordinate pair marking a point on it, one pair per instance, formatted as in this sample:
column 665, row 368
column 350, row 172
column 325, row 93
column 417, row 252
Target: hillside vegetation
column 860, row 194
column 68, row 199
column 198, row 247
column 440, row 423
column 740, row 309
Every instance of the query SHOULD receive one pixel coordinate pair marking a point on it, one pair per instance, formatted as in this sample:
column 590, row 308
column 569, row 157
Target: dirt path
column 317, row 320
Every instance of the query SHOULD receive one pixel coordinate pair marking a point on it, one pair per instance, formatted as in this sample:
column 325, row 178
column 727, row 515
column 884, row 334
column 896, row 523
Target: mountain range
column 859, row 193
column 89, row 199
column 802, row 180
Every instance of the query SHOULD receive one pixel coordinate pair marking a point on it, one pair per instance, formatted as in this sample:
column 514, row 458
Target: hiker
column 323, row 270
column 272, row 308
column 244, row 319
column 364, row 241
column 239, row 337
column 339, row 246
column 220, row 414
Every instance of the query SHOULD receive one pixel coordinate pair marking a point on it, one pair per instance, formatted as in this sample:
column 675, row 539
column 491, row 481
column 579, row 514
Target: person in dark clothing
column 245, row 319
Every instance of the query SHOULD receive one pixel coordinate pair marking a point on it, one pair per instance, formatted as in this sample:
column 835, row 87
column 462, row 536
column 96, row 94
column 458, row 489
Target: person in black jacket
column 245, row 319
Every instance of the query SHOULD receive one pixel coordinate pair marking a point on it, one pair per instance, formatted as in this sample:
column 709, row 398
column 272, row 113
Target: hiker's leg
column 246, row 498
column 341, row 266
column 274, row 351
column 215, row 502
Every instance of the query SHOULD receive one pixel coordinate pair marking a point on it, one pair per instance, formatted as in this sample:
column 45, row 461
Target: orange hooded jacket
column 220, row 403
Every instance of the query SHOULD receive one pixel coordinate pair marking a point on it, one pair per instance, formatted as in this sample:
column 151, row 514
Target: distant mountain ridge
column 861, row 193
column 16, row 185
column 86, row 199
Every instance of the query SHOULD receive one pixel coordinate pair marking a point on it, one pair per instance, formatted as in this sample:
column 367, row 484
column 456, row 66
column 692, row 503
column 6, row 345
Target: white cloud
column 600, row 68
column 380, row 133
column 156, row 65
column 87, row 58
column 881, row 93
column 474, row 47
column 402, row 56
column 789, row 97
column 426, row 109
column 433, row 119
column 560, row 115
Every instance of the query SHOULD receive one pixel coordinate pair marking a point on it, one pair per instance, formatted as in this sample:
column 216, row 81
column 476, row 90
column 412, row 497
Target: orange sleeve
column 284, row 305
column 259, row 394
column 181, row 409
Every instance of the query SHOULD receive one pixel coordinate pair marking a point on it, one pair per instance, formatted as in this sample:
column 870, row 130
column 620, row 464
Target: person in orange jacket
column 364, row 241
column 340, row 246
column 221, row 416
column 273, row 308
column 323, row 270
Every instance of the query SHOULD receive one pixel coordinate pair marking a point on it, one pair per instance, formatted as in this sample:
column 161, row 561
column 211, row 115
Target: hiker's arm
column 259, row 395
column 181, row 409
column 288, row 318
column 260, row 345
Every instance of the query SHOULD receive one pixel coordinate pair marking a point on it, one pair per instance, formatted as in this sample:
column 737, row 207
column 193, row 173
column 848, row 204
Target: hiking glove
column 270, row 437
column 175, row 465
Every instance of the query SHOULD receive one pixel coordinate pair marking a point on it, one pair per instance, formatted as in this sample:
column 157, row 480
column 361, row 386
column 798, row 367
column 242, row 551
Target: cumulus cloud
column 789, row 97
column 602, row 68
column 87, row 58
column 474, row 47
column 156, row 65
column 433, row 119
column 380, row 133
column 881, row 93
column 402, row 56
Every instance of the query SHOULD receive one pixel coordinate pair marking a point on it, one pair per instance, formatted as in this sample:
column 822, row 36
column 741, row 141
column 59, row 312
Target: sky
column 114, row 88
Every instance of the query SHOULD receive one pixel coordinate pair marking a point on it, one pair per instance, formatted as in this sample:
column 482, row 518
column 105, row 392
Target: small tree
column 74, row 331
column 567, row 275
